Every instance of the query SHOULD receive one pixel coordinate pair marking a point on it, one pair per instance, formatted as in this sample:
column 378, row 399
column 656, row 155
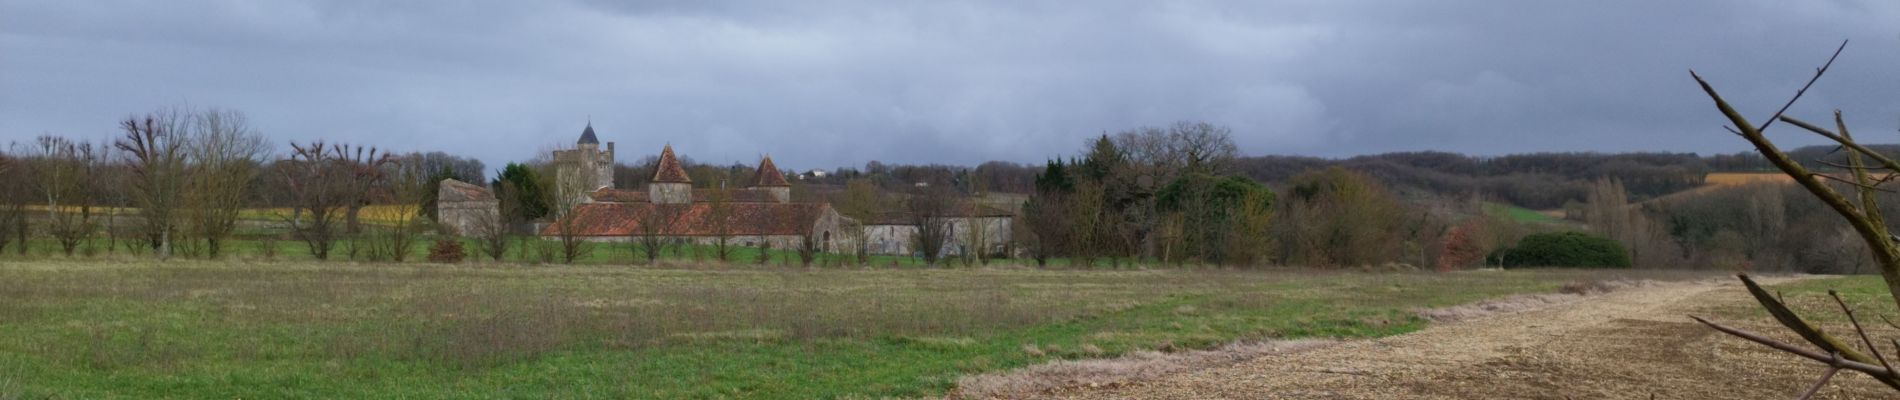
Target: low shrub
column 446, row 251
column 1565, row 249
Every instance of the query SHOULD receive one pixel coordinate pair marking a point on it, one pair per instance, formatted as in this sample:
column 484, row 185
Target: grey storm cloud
column 819, row 84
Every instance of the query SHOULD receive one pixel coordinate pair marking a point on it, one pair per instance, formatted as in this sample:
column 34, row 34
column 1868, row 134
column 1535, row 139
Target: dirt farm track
column 1628, row 344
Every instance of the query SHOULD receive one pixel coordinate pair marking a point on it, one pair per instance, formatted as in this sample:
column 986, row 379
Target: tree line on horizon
column 1175, row 194
column 1179, row 195
column 1542, row 181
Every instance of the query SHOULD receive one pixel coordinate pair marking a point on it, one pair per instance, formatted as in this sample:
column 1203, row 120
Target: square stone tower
column 670, row 185
column 586, row 168
column 768, row 179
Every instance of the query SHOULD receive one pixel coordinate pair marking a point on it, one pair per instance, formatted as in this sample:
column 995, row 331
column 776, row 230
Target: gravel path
column 1632, row 343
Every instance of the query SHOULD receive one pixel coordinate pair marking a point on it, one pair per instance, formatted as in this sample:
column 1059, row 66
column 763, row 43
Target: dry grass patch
column 1567, row 293
column 1095, row 373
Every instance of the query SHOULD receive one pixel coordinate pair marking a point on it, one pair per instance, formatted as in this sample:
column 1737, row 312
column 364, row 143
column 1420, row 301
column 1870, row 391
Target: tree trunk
column 351, row 223
column 165, row 245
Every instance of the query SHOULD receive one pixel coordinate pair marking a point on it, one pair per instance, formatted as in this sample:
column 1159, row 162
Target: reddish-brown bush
column 1461, row 247
column 446, row 251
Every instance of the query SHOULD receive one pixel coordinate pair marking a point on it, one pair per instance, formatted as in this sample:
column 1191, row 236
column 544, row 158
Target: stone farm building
column 671, row 207
column 971, row 226
column 465, row 209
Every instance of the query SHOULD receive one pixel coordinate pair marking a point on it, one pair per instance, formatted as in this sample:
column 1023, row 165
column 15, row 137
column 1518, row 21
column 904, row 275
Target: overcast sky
column 833, row 83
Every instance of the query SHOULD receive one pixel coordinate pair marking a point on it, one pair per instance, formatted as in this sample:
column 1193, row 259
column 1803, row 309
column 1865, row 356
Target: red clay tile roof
column 699, row 196
column 669, row 170
column 464, row 191
column 742, row 219
column 619, row 195
column 768, row 175
column 737, row 196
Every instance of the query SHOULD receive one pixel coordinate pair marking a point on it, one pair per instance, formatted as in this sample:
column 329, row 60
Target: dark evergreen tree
column 523, row 188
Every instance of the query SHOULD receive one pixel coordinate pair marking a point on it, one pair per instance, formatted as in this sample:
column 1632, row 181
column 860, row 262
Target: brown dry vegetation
column 1135, row 367
column 1630, row 344
column 1744, row 178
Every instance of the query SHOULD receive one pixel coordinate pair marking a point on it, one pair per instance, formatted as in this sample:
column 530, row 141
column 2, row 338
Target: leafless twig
column 1873, row 187
column 1875, row 371
column 1861, row 331
column 1818, row 384
column 1804, row 88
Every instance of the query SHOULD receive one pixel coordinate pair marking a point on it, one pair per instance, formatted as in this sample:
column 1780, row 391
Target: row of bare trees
column 177, row 176
column 331, row 184
column 1756, row 227
column 177, row 181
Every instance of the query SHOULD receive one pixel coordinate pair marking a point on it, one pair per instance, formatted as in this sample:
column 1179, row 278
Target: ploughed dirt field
column 1632, row 343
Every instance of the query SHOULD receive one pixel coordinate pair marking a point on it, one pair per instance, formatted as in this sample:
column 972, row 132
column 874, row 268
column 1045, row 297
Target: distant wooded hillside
column 1536, row 180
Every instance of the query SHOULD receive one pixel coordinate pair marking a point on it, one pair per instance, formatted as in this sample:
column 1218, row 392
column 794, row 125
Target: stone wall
column 889, row 239
column 781, row 194
column 670, row 193
column 827, row 229
column 583, row 169
column 464, row 217
column 779, row 242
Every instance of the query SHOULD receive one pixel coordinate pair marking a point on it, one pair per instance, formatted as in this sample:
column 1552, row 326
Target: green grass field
column 521, row 251
column 249, row 247
column 1866, row 294
column 262, row 238
column 198, row 329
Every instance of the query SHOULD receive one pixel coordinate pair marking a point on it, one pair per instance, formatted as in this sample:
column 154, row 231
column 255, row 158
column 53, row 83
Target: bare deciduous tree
column 1248, row 242
column 861, row 201
column 976, row 232
column 1045, row 216
column 493, row 231
column 1339, row 217
column 326, row 180
column 1090, row 225
column 408, row 186
column 930, row 211
column 852, row 232
column 765, row 249
column 809, row 243
column 719, row 221
column 64, row 169
column 368, row 172
column 154, row 145
column 14, row 196
column 570, row 191
column 976, row 235
column 658, row 226
column 1608, row 212
column 224, row 155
